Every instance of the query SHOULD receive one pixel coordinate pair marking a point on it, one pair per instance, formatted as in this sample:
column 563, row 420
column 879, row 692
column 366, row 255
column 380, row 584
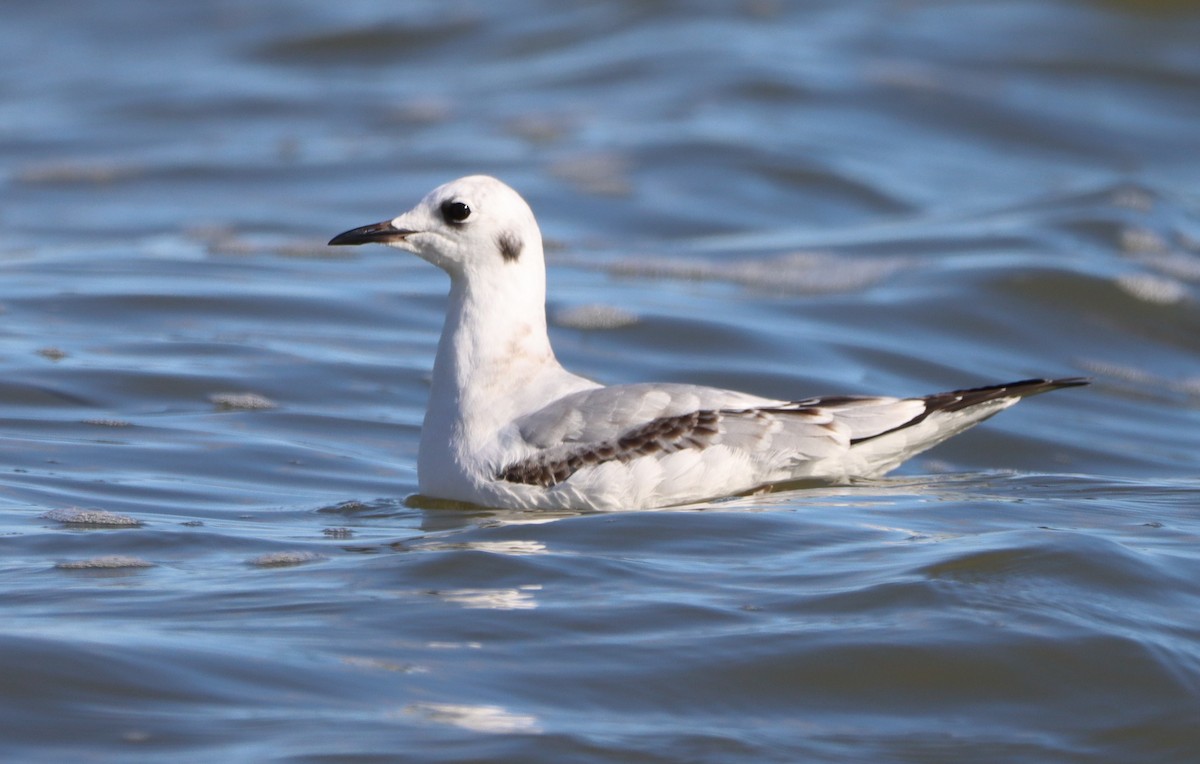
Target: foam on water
column 95, row 517
column 107, row 562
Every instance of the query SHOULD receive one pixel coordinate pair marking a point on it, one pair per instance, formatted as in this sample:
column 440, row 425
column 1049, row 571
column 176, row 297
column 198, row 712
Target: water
column 789, row 199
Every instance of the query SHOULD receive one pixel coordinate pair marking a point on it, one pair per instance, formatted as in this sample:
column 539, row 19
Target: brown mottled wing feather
column 663, row 435
column 694, row 430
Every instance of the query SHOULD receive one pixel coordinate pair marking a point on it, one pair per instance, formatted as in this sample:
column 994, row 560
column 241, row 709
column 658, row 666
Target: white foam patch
column 454, row 645
column 520, row 598
column 515, row 547
column 1180, row 265
column 1133, row 198
column 101, row 422
column 491, row 719
column 77, row 516
column 380, row 664
column 1141, row 379
column 106, row 562
column 1156, row 289
column 284, row 559
column 241, row 401
column 1141, row 240
column 595, row 316
column 792, row 273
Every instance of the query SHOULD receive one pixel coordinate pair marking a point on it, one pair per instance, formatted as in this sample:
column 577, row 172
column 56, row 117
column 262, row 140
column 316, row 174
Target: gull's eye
column 455, row 212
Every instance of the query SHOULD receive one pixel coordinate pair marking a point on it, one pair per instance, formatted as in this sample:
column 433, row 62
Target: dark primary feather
column 957, row 400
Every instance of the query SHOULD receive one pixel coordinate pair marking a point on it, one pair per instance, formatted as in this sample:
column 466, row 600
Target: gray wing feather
column 603, row 413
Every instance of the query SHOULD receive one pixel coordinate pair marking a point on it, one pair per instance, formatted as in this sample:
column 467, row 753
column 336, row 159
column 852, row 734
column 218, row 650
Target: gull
column 507, row 426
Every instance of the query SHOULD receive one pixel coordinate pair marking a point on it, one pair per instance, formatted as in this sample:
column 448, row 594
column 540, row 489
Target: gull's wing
column 627, row 422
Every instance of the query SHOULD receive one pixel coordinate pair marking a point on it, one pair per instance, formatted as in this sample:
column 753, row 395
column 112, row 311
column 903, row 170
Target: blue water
column 789, row 199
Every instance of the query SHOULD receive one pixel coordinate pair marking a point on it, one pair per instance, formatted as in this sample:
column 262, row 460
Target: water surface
column 209, row 419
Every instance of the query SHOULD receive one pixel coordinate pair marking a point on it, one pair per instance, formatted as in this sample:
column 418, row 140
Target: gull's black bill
column 376, row 233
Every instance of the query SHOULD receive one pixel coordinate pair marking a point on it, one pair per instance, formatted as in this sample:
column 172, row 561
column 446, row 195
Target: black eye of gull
column 455, row 212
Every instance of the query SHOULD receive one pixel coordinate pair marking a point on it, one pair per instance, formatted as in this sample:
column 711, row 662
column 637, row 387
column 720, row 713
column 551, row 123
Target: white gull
column 508, row 426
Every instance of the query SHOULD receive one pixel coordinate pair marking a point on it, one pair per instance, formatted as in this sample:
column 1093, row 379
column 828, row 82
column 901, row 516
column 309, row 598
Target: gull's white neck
column 494, row 337
column 494, row 363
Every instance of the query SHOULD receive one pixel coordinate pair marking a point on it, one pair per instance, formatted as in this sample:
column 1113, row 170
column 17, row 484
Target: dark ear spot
column 510, row 246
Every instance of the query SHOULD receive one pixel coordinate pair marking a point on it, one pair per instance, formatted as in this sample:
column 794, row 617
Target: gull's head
column 467, row 225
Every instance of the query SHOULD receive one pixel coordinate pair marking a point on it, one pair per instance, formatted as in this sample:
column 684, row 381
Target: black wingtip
column 956, row 400
column 1028, row 387
column 1070, row 382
